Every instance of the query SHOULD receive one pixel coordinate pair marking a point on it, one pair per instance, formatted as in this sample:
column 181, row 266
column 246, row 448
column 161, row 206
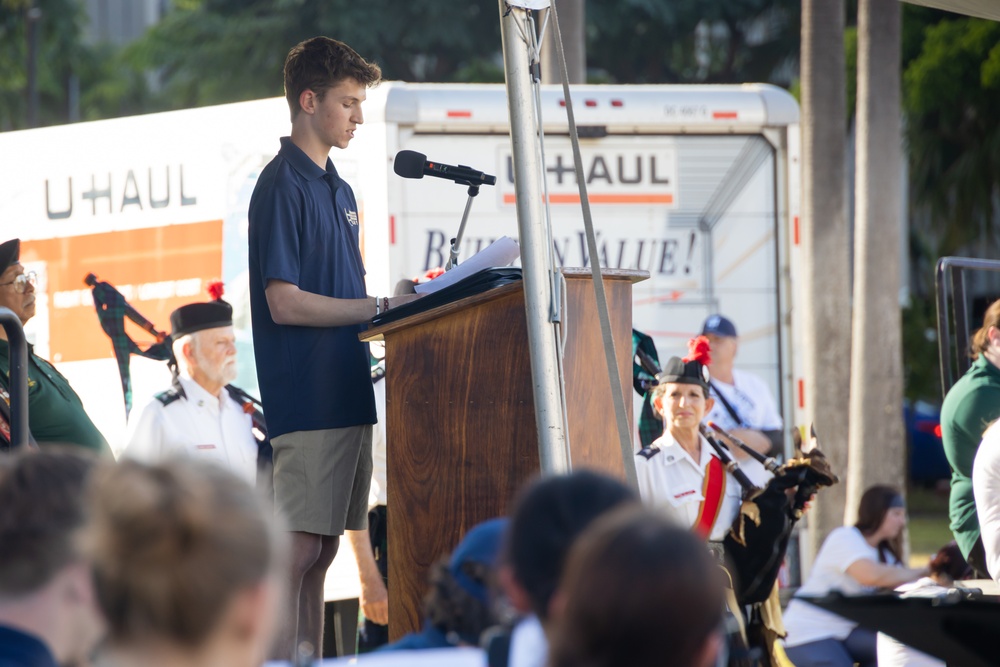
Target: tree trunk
column 825, row 253
column 573, row 25
column 877, row 440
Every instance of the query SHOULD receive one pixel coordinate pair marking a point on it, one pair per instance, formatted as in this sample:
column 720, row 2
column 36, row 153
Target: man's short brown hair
column 41, row 508
column 320, row 63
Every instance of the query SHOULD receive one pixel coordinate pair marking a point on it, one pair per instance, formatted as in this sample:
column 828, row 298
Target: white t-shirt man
column 986, row 489
column 750, row 398
column 808, row 623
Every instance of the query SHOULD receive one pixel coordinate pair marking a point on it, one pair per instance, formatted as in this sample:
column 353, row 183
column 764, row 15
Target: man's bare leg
column 311, row 595
column 305, row 551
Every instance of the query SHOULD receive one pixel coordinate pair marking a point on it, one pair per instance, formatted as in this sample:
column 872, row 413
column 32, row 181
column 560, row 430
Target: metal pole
column 553, row 447
column 18, row 378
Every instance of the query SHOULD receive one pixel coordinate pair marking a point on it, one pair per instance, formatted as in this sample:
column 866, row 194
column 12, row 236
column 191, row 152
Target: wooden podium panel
column 461, row 435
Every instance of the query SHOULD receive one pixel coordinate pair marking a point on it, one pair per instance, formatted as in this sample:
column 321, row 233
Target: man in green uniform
column 55, row 412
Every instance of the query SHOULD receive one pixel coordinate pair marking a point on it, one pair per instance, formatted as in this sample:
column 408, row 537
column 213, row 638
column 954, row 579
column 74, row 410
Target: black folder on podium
column 480, row 281
column 962, row 628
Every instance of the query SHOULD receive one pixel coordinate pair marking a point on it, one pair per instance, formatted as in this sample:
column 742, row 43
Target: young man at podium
column 308, row 304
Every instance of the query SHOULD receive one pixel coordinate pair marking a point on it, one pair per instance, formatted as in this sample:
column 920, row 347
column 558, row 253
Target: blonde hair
column 171, row 544
column 981, row 340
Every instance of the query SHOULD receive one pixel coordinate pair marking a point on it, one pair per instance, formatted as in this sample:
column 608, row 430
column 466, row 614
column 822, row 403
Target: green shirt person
column 970, row 406
column 55, row 412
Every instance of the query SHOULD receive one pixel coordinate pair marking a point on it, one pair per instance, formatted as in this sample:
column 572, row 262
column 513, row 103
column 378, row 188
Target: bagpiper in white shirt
column 671, row 480
column 681, row 472
column 198, row 417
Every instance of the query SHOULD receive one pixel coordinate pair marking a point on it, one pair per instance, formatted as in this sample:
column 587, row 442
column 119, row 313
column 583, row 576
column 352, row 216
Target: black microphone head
column 409, row 164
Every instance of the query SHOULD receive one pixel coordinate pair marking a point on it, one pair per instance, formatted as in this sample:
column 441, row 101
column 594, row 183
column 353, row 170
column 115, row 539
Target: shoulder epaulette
column 169, row 396
column 648, row 452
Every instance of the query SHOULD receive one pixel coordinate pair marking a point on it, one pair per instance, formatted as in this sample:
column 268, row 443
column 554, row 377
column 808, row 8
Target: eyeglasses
column 20, row 283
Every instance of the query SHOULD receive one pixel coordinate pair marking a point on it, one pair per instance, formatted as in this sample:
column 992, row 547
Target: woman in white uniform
column 680, row 472
column 853, row 560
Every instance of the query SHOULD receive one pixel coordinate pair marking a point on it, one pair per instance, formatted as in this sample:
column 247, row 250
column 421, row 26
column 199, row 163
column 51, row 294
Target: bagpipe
column 113, row 308
column 756, row 544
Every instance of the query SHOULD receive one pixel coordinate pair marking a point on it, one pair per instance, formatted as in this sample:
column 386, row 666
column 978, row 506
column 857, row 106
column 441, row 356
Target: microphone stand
column 456, row 242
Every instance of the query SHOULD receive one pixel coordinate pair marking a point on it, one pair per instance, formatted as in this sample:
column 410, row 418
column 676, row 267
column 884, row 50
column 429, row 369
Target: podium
column 460, row 417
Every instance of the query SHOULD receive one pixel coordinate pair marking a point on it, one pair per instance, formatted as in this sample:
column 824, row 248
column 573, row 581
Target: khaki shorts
column 321, row 479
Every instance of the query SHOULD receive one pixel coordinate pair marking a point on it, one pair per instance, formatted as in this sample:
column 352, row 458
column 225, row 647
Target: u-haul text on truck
column 694, row 184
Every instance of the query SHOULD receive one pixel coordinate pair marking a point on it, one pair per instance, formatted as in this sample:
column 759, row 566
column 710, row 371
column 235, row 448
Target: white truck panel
column 696, row 184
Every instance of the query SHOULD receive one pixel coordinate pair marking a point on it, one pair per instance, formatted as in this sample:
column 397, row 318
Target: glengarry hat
column 692, row 369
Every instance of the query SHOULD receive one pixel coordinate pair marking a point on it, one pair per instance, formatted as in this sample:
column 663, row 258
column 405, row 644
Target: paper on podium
column 501, row 252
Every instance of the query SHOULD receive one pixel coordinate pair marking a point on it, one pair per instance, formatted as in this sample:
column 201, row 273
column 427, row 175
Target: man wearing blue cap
column 55, row 411
column 744, row 405
column 458, row 605
column 197, row 416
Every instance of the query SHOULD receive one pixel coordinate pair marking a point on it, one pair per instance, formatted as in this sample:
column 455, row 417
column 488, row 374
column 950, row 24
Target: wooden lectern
column 461, row 436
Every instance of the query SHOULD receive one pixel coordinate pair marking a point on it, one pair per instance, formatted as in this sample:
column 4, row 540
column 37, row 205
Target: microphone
column 411, row 164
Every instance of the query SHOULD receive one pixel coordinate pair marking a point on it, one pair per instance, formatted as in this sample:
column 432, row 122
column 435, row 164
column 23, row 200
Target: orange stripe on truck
column 150, row 260
column 602, row 199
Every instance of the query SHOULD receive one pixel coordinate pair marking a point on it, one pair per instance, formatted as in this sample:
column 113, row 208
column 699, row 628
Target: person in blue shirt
column 48, row 606
column 457, row 608
column 308, row 303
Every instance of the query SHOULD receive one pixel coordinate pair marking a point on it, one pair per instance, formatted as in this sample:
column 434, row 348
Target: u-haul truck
column 697, row 185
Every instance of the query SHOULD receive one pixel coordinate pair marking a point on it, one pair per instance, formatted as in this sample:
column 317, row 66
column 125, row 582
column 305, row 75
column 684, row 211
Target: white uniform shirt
column 201, row 426
column 806, row 622
column 528, row 645
column 750, row 397
column 986, row 488
column 673, row 481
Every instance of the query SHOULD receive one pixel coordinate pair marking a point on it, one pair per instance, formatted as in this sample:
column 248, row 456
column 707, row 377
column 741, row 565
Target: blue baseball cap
column 719, row 326
column 480, row 545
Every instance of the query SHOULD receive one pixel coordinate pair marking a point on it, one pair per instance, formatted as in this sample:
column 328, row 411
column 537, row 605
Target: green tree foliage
column 59, row 50
column 693, row 41
column 952, row 98
column 213, row 51
column 107, row 85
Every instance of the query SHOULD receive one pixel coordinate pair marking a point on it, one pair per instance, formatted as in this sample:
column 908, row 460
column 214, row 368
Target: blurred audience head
column 639, row 591
column 458, row 603
column 549, row 514
column 186, row 560
column 46, row 588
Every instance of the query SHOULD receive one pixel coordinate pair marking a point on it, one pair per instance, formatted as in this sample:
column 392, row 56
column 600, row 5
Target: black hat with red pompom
column 692, row 369
column 199, row 316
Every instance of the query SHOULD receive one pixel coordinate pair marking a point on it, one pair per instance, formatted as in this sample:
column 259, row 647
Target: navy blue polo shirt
column 304, row 230
column 19, row 649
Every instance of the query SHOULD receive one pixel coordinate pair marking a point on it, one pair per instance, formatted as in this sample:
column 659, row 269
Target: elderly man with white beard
column 198, row 416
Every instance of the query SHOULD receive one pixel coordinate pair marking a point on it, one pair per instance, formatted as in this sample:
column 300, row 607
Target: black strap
column 730, row 409
column 498, row 647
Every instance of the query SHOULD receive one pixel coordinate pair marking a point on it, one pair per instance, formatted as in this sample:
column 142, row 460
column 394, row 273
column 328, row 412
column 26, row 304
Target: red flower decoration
column 215, row 289
column 430, row 275
column 700, row 350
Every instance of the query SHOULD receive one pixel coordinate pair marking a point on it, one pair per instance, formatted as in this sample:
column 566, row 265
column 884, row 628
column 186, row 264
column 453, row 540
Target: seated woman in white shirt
column 853, row 560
